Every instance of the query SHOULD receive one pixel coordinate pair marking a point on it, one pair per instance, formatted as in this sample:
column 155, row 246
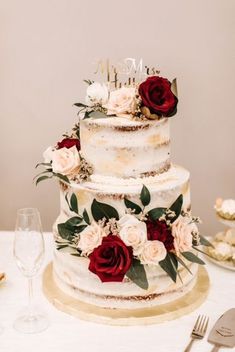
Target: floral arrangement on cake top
column 154, row 98
column 121, row 246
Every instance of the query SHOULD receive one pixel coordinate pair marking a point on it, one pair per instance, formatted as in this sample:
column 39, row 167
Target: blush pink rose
column 66, row 161
column 182, row 232
column 122, row 102
column 153, row 252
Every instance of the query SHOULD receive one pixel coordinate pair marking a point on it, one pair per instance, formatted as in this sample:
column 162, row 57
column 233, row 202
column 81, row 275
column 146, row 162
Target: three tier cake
column 125, row 236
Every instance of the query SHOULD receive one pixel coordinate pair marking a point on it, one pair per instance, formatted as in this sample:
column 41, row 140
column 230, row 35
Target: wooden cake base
column 143, row 316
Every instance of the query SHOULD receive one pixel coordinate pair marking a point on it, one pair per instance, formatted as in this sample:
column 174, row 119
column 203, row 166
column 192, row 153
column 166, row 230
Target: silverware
column 223, row 332
column 198, row 331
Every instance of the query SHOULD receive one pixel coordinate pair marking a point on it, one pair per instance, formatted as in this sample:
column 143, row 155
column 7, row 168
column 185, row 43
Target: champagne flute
column 29, row 249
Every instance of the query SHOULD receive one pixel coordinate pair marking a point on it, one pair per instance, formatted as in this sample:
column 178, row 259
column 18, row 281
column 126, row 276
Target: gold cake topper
column 126, row 72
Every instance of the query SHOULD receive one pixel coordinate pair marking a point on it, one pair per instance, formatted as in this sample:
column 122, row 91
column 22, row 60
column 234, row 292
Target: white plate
column 229, row 223
column 223, row 264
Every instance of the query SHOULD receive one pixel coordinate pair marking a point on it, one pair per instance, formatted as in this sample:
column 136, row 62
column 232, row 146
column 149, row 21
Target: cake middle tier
column 164, row 190
column 126, row 148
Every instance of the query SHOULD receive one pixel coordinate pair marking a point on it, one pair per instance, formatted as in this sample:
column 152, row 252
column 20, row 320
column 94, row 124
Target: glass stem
column 30, row 284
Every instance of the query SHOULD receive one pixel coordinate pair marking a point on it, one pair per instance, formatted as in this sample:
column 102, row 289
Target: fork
column 198, row 331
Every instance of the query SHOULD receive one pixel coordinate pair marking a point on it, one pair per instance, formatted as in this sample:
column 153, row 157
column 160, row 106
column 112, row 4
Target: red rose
column 111, row 260
column 158, row 230
column 69, row 143
column 156, row 95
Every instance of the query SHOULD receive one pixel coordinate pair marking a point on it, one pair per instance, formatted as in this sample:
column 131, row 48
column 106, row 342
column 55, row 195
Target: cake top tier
column 123, row 131
column 126, row 148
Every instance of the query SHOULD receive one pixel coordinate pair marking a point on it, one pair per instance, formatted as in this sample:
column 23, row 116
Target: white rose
column 122, row 102
column 153, row 252
column 48, row 154
column 90, row 238
column 182, row 233
column 133, row 232
column 97, row 93
column 66, row 161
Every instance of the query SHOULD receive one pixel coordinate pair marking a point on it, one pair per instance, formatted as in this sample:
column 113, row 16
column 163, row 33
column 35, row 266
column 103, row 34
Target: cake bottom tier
column 72, row 276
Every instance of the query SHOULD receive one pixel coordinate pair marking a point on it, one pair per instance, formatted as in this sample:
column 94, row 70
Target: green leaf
column 173, row 259
column 205, row 242
column 176, row 207
column 199, row 250
column 76, row 254
column 43, row 164
column 174, row 87
column 88, row 81
column 137, row 274
column 78, row 134
column 184, row 265
column 167, row 266
column 86, row 115
column 61, row 246
column 74, row 221
column 133, row 206
column 61, row 177
column 174, row 262
column 74, row 203
column 145, row 196
column 86, row 217
column 80, row 228
column 80, row 105
column 65, row 231
column 42, row 178
column 67, row 201
column 102, row 210
column 43, row 173
column 156, row 213
column 191, row 257
column 97, row 115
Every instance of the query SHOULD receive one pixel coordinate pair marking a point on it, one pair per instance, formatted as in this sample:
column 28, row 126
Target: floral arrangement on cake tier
column 154, row 98
column 119, row 247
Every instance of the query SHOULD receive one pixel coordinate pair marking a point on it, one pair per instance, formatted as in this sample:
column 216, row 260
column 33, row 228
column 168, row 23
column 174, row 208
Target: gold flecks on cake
column 108, row 167
column 123, row 157
column 157, row 139
column 185, row 188
column 82, row 197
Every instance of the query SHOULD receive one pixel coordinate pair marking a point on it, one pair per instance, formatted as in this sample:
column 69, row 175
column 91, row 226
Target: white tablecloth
column 69, row 334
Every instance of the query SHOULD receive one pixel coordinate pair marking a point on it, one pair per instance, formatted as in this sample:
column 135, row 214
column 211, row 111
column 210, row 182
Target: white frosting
column 228, row 206
column 164, row 190
column 118, row 146
column 72, row 276
column 120, row 151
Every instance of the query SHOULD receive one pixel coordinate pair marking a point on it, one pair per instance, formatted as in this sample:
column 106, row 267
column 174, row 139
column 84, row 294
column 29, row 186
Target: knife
column 223, row 332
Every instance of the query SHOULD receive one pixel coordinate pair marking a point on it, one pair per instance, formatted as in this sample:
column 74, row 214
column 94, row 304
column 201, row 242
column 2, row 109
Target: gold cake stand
column 153, row 315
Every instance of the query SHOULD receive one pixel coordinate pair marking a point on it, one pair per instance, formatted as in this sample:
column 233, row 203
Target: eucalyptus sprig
column 48, row 173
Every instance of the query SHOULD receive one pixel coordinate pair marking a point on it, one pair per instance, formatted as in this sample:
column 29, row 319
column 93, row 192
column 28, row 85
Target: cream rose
column 182, row 232
column 153, row 252
column 66, row 161
column 133, row 232
column 97, row 93
column 90, row 238
column 48, row 154
column 122, row 102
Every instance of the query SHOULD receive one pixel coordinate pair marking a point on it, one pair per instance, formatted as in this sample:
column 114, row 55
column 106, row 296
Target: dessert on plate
column 225, row 208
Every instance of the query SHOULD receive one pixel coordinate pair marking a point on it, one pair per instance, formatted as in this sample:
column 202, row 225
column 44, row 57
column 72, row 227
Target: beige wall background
column 47, row 48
